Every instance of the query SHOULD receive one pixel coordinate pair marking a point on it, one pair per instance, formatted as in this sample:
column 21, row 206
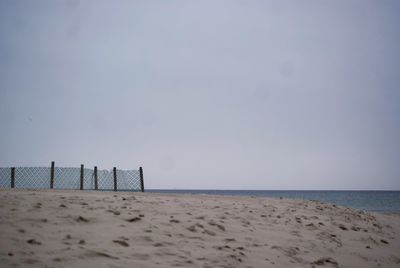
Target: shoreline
column 328, row 196
column 60, row 228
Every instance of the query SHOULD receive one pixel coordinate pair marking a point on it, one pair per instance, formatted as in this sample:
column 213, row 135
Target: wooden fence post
column 141, row 179
column 81, row 177
column 95, row 178
column 52, row 175
column 12, row 177
column 115, row 178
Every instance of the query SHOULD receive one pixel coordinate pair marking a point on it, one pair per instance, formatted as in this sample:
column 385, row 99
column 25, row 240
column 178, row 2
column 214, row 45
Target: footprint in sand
column 134, row 219
column 115, row 212
column 199, row 225
column 220, row 226
column 311, row 226
column 326, row 261
column 33, row 242
column 94, row 253
column 209, row 232
column 81, row 219
column 287, row 251
column 191, row 228
column 121, row 243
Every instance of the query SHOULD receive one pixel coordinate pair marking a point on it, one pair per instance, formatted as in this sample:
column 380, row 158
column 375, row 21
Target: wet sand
column 55, row 228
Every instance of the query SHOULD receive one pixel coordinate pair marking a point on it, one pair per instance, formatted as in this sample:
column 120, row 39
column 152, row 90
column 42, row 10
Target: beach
column 66, row 228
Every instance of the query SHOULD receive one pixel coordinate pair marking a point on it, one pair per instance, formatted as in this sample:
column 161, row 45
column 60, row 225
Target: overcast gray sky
column 205, row 94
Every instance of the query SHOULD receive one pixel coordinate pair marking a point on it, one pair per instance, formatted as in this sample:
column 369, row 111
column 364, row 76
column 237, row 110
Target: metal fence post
column 12, row 177
column 81, row 177
column 141, row 179
column 115, row 178
column 95, row 178
column 52, row 175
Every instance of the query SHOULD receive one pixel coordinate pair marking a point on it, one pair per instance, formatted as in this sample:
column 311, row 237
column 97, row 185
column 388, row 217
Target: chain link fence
column 71, row 178
column 5, row 177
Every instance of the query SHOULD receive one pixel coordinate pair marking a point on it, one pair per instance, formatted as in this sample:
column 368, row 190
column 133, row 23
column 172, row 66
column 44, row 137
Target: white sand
column 106, row 229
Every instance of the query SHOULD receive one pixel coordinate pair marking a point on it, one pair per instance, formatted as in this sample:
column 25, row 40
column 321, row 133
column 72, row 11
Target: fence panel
column 121, row 180
column 67, row 178
column 32, row 177
column 5, row 177
column 88, row 179
column 105, row 179
column 130, row 179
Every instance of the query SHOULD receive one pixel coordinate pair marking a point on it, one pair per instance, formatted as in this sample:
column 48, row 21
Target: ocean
column 374, row 201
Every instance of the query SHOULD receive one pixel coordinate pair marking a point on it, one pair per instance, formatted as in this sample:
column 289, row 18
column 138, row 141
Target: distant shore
column 60, row 228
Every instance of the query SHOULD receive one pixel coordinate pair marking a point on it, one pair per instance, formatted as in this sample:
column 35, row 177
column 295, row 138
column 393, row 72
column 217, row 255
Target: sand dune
column 47, row 228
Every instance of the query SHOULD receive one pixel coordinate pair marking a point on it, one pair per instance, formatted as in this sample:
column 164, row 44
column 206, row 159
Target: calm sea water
column 377, row 201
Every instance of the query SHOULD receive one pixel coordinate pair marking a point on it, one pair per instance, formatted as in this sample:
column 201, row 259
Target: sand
column 54, row 228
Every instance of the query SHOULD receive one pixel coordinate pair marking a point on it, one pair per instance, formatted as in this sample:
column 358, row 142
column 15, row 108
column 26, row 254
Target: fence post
column 95, row 178
column 12, row 177
column 81, row 177
column 141, row 179
column 52, row 175
column 115, row 178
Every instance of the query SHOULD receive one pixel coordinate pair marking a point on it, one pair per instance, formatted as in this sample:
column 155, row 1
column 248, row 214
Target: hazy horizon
column 235, row 94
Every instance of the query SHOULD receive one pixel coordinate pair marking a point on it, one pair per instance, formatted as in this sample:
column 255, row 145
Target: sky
column 205, row 94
